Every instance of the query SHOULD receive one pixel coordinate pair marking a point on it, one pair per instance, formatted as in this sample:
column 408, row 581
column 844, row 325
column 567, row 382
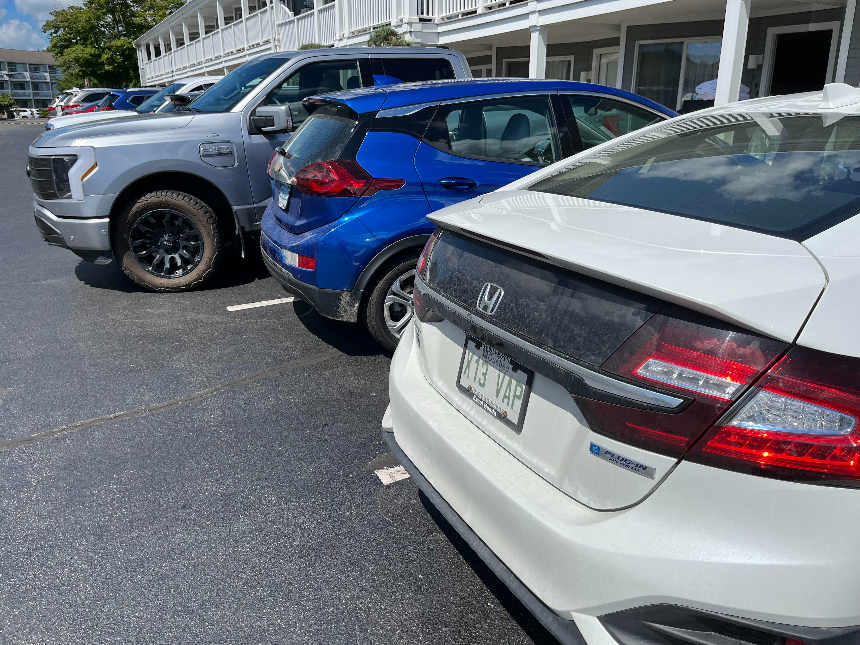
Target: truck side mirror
column 272, row 118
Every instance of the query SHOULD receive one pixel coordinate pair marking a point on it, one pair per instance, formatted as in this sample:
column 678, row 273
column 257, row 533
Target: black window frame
column 554, row 127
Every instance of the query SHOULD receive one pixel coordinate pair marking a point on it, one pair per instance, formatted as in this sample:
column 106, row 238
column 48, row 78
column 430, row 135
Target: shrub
column 7, row 104
column 313, row 46
column 387, row 37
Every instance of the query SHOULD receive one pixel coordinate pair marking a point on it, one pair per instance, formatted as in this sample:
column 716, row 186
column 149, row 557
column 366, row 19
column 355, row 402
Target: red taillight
column 271, row 161
column 305, row 262
column 424, row 258
column 708, row 366
column 801, row 421
column 341, row 178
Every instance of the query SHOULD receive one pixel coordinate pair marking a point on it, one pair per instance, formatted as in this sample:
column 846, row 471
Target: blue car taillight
column 325, row 190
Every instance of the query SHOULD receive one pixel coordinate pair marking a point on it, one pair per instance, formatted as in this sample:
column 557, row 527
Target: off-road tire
column 374, row 307
column 202, row 216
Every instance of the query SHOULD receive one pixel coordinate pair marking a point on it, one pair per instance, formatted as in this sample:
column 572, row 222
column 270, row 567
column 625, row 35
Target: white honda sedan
column 633, row 381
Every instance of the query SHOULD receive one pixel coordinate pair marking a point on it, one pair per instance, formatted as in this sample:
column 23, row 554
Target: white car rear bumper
column 706, row 538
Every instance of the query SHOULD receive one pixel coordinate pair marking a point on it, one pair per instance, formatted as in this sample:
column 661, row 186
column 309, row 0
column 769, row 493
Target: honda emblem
column 489, row 298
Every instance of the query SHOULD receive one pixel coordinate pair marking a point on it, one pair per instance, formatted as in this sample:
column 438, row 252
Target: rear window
column 412, row 70
column 791, row 176
column 137, row 99
column 321, row 137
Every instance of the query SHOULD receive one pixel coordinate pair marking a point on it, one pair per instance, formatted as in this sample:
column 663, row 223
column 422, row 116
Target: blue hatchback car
column 352, row 188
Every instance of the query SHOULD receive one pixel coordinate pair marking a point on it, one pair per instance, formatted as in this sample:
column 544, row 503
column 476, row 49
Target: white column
column 185, row 31
column 732, row 53
column 317, row 6
column 151, row 50
column 622, row 46
column 437, row 10
column 161, row 45
column 244, row 21
column 845, row 42
column 219, row 14
column 537, row 52
column 338, row 7
column 201, row 24
column 411, row 11
column 172, row 39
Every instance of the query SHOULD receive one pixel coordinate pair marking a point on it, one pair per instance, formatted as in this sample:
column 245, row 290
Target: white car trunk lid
column 620, row 268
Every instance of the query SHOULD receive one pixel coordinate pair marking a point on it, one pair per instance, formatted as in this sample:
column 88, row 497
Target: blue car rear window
column 321, row 137
column 791, row 176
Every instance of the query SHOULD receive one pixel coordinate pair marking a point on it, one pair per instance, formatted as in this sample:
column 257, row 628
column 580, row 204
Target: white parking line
column 262, row 303
column 390, row 475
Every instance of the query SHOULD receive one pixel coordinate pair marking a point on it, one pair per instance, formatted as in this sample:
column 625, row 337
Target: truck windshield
column 231, row 89
column 151, row 104
column 787, row 175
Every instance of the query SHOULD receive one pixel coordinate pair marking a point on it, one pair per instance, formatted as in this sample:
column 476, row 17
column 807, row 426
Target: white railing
column 327, row 22
column 335, row 22
column 457, row 8
column 211, row 48
column 366, row 14
column 42, row 95
column 21, row 94
column 305, row 30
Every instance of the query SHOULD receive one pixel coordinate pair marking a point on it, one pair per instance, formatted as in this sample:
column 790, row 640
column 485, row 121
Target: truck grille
column 49, row 176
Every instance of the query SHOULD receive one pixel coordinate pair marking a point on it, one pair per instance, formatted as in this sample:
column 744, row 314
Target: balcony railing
column 42, row 95
column 22, row 94
column 277, row 29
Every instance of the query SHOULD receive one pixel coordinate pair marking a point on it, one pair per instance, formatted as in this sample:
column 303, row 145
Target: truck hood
column 764, row 283
column 91, row 133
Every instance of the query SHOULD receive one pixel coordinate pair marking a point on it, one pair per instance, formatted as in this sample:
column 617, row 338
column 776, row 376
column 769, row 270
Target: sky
column 21, row 22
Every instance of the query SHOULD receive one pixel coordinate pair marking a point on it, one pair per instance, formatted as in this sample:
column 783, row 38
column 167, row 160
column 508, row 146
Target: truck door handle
column 458, row 183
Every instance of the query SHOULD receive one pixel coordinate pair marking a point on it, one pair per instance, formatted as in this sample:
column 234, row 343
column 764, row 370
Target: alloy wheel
column 166, row 243
column 398, row 308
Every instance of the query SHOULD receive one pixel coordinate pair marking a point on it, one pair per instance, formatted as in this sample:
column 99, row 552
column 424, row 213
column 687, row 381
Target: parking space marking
column 390, row 475
column 261, row 303
column 289, row 366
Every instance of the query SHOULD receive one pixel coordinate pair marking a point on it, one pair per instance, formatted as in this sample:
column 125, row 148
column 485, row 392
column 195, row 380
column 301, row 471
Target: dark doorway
column 800, row 61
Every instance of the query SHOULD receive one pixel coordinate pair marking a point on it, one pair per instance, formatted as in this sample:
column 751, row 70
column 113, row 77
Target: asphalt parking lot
column 174, row 472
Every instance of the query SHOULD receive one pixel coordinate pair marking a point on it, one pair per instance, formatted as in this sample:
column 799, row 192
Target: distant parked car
column 632, row 382
column 134, row 97
column 352, row 189
column 148, row 106
column 86, row 97
column 168, row 195
column 26, row 113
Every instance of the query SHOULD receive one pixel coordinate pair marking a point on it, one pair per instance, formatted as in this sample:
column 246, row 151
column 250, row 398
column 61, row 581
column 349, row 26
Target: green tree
column 96, row 40
column 387, row 37
column 307, row 46
column 7, row 104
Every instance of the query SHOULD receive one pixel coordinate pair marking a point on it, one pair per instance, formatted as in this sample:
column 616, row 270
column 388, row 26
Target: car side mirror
column 272, row 118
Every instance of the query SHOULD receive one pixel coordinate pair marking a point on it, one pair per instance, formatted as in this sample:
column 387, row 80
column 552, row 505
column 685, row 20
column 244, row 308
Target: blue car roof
column 369, row 99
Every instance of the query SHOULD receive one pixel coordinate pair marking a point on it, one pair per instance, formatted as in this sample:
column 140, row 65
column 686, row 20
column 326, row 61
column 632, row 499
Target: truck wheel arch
column 185, row 182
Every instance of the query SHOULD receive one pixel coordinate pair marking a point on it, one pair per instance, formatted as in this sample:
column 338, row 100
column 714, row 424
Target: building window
column 669, row 72
column 19, row 87
column 557, row 67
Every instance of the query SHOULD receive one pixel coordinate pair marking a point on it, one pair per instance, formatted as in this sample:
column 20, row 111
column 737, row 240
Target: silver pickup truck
column 168, row 194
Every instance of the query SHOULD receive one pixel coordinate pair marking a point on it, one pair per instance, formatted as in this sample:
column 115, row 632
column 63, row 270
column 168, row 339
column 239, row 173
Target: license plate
column 495, row 382
column 284, row 196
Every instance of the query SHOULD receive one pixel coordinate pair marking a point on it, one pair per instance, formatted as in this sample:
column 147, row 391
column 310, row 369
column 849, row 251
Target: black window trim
column 492, row 97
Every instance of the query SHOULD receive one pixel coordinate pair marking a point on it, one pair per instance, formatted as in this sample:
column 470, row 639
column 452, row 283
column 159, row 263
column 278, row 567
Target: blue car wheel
column 389, row 308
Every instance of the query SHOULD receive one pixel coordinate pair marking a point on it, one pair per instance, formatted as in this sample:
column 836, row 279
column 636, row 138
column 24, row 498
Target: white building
column 30, row 77
column 663, row 49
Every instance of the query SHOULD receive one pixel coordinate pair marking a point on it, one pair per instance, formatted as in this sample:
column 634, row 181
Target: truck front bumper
column 88, row 238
